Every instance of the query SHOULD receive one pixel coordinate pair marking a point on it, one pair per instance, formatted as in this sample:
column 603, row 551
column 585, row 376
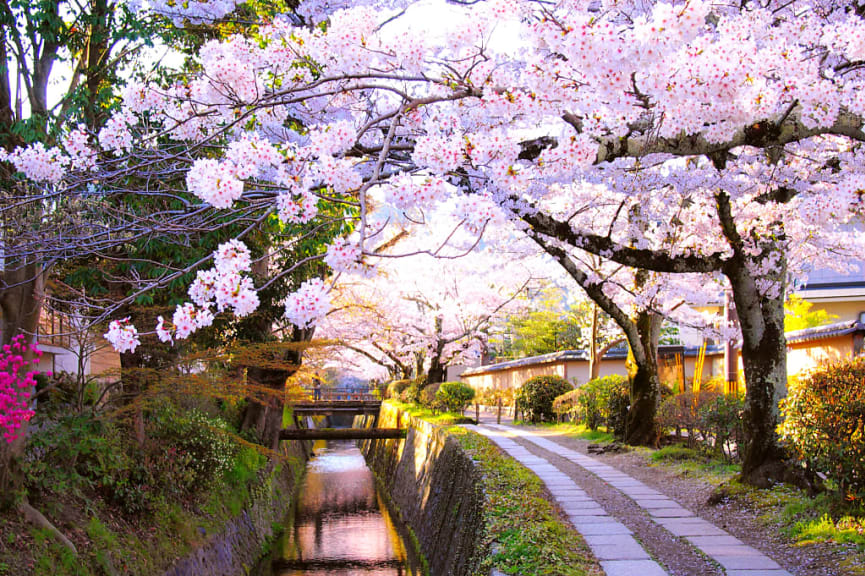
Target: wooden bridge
column 331, row 401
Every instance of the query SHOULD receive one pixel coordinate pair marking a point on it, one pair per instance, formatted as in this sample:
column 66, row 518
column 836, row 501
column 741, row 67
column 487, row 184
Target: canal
column 340, row 525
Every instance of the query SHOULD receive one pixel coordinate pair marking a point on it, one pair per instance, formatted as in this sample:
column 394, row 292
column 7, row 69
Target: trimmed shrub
column 683, row 412
column 616, row 399
column 428, row 398
column 455, row 396
column 535, row 397
column 411, row 394
column 396, row 388
column 600, row 402
column 824, row 424
column 711, row 419
column 721, row 419
column 567, row 405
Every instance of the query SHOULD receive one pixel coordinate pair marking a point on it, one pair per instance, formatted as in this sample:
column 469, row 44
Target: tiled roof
column 827, row 331
column 576, row 355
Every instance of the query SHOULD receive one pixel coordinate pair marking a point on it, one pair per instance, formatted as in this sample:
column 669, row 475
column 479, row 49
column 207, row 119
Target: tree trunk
column 640, row 426
column 642, row 334
column 132, row 368
column 263, row 414
column 436, row 374
column 594, row 357
column 21, row 302
column 764, row 359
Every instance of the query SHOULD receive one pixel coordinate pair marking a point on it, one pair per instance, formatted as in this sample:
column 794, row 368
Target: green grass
column 438, row 418
column 530, row 538
column 822, row 519
column 599, row 436
column 692, row 462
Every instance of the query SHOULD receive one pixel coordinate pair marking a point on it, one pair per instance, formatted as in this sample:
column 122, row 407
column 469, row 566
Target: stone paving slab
column 572, row 498
column 609, row 539
column 588, row 528
column 732, row 554
column 584, row 505
column 585, row 512
column 758, row 573
column 726, row 540
column 632, row 568
column 677, row 512
column 659, row 503
column 739, row 562
column 631, row 551
column 692, row 526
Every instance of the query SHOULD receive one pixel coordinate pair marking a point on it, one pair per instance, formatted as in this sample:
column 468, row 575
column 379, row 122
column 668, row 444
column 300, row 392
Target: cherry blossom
column 215, row 182
column 122, row 335
column 309, row 304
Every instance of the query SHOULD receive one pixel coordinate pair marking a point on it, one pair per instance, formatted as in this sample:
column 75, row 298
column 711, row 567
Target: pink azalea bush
column 16, row 383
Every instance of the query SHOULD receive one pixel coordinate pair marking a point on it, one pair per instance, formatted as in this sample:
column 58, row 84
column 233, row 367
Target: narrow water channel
column 340, row 525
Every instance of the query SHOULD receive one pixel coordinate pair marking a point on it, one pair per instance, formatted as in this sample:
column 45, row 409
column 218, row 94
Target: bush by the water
column 428, row 396
column 455, row 396
column 824, row 424
column 535, row 397
column 396, row 388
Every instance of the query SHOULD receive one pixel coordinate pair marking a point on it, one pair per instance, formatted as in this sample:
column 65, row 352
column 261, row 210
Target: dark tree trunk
column 263, row 414
column 21, row 304
column 437, row 371
column 642, row 334
column 134, row 379
column 436, row 374
column 594, row 357
column 640, row 425
column 266, row 382
column 764, row 359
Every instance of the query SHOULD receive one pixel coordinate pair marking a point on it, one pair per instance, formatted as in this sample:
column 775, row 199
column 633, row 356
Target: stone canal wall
column 435, row 487
column 236, row 549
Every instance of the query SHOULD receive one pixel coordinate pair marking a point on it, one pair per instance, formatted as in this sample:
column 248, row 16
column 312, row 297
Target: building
column 64, row 349
column 677, row 365
column 842, row 296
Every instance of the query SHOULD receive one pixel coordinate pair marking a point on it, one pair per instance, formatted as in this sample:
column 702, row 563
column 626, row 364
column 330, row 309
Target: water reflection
column 341, row 526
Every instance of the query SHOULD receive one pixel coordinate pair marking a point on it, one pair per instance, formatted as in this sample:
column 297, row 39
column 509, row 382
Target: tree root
column 786, row 471
column 36, row 518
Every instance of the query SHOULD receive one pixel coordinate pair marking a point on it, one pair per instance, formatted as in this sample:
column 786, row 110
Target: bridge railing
column 344, row 394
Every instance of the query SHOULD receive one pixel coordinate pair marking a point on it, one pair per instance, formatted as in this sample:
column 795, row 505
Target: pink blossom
column 122, row 335
column 16, row 385
column 309, row 304
column 214, row 182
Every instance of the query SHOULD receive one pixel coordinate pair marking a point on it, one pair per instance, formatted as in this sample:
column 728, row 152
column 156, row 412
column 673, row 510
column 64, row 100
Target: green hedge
column 824, row 424
column 535, row 397
column 712, row 420
column 600, row 402
column 455, row 396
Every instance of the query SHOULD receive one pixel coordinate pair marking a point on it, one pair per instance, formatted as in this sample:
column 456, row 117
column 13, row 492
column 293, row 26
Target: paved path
column 611, row 541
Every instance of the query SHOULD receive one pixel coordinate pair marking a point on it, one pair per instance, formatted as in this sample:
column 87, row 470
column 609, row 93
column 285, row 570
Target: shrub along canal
column 340, row 524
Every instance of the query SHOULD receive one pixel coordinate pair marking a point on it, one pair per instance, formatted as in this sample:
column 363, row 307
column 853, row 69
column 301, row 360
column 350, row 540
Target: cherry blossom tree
column 673, row 138
column 426, row 311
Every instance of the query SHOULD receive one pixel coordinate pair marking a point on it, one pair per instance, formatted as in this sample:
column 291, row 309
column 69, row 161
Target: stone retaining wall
column 238, row 547
column 436, row 489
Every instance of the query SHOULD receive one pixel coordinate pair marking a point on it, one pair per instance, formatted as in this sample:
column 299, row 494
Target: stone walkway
column 612, row 542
